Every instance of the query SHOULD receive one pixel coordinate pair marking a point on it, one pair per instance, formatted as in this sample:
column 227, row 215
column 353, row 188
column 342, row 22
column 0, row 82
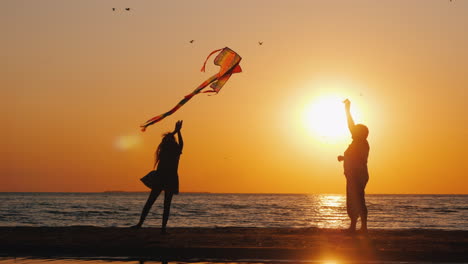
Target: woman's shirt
column 355, row 158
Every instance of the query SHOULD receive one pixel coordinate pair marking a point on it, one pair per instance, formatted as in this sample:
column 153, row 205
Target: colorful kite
column 228, row 60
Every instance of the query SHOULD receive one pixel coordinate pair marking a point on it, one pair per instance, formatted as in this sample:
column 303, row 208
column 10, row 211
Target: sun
column 325, row 118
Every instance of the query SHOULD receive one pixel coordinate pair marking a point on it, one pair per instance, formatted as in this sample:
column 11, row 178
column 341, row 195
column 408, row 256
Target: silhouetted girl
column 355, row 170
column 167, row 162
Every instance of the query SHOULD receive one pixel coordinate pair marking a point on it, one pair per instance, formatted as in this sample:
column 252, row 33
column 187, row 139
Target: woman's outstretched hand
column 347, row 104
column 178, row 126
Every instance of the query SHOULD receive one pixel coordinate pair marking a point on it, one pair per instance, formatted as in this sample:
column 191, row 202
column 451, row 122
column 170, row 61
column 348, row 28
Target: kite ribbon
column 228, row 60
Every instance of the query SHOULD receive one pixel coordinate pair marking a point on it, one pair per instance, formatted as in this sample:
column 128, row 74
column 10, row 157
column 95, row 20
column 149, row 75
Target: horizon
column 189, row 192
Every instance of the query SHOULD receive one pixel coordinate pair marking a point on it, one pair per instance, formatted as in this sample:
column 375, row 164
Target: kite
column 228, row 60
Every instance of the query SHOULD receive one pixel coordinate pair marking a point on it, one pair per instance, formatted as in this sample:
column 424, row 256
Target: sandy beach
column 235, row 244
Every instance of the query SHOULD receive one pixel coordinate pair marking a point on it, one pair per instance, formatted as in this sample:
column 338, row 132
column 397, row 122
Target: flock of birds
column 191, row 41
column 126, row 9
column 259, row 43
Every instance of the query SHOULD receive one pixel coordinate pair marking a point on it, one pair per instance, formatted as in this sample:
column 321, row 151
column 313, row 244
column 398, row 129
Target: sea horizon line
column 195, row 192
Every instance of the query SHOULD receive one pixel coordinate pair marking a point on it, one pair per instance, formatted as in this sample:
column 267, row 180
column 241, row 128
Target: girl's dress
column 167, row 168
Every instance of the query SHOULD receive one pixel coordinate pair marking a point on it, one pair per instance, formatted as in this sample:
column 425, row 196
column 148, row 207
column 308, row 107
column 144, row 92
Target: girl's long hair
column 168, row 138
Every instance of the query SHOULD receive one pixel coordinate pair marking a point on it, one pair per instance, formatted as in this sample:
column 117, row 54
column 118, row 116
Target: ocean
column 445, row 212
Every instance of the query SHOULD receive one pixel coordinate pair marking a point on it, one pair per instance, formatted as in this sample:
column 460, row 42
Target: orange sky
column 78, row 78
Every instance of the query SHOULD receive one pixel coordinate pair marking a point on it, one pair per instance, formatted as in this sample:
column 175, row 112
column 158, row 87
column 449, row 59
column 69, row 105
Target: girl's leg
column 151, row 199
column 167, row 207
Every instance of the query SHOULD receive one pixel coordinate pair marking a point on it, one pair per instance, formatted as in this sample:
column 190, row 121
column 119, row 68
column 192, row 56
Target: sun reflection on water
column 333, row 208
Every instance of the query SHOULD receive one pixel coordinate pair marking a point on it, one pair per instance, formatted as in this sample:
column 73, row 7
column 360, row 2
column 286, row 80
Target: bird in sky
column 128, row 9
column 260, row 43
column 113, row 9
column 192, row 41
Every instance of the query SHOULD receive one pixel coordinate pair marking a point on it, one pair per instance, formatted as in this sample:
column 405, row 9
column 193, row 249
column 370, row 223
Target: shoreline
column 235, row 243
column 248, row 193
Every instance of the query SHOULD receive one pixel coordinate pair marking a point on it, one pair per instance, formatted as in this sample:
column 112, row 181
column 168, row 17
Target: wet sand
column 235, row 244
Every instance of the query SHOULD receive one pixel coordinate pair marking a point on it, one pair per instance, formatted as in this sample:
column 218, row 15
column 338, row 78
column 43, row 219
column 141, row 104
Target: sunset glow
column 78, row 79
column 325, row 117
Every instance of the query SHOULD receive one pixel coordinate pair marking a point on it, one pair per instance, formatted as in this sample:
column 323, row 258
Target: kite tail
column 204, row 64
column 229, row 62
column 168, row 113
column 180, row 104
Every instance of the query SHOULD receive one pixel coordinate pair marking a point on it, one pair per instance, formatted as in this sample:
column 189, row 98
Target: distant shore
column 235, row 244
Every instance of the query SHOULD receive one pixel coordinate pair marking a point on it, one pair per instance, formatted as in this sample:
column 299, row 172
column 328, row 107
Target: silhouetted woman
column 355, row 170
column 167, row 162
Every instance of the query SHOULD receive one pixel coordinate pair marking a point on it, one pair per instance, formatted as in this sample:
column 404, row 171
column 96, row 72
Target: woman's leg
column 167, row 208
column 351, row 205
column 151, row 199
column 363, row 210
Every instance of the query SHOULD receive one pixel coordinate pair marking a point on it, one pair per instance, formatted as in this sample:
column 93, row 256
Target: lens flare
column 127, row 142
